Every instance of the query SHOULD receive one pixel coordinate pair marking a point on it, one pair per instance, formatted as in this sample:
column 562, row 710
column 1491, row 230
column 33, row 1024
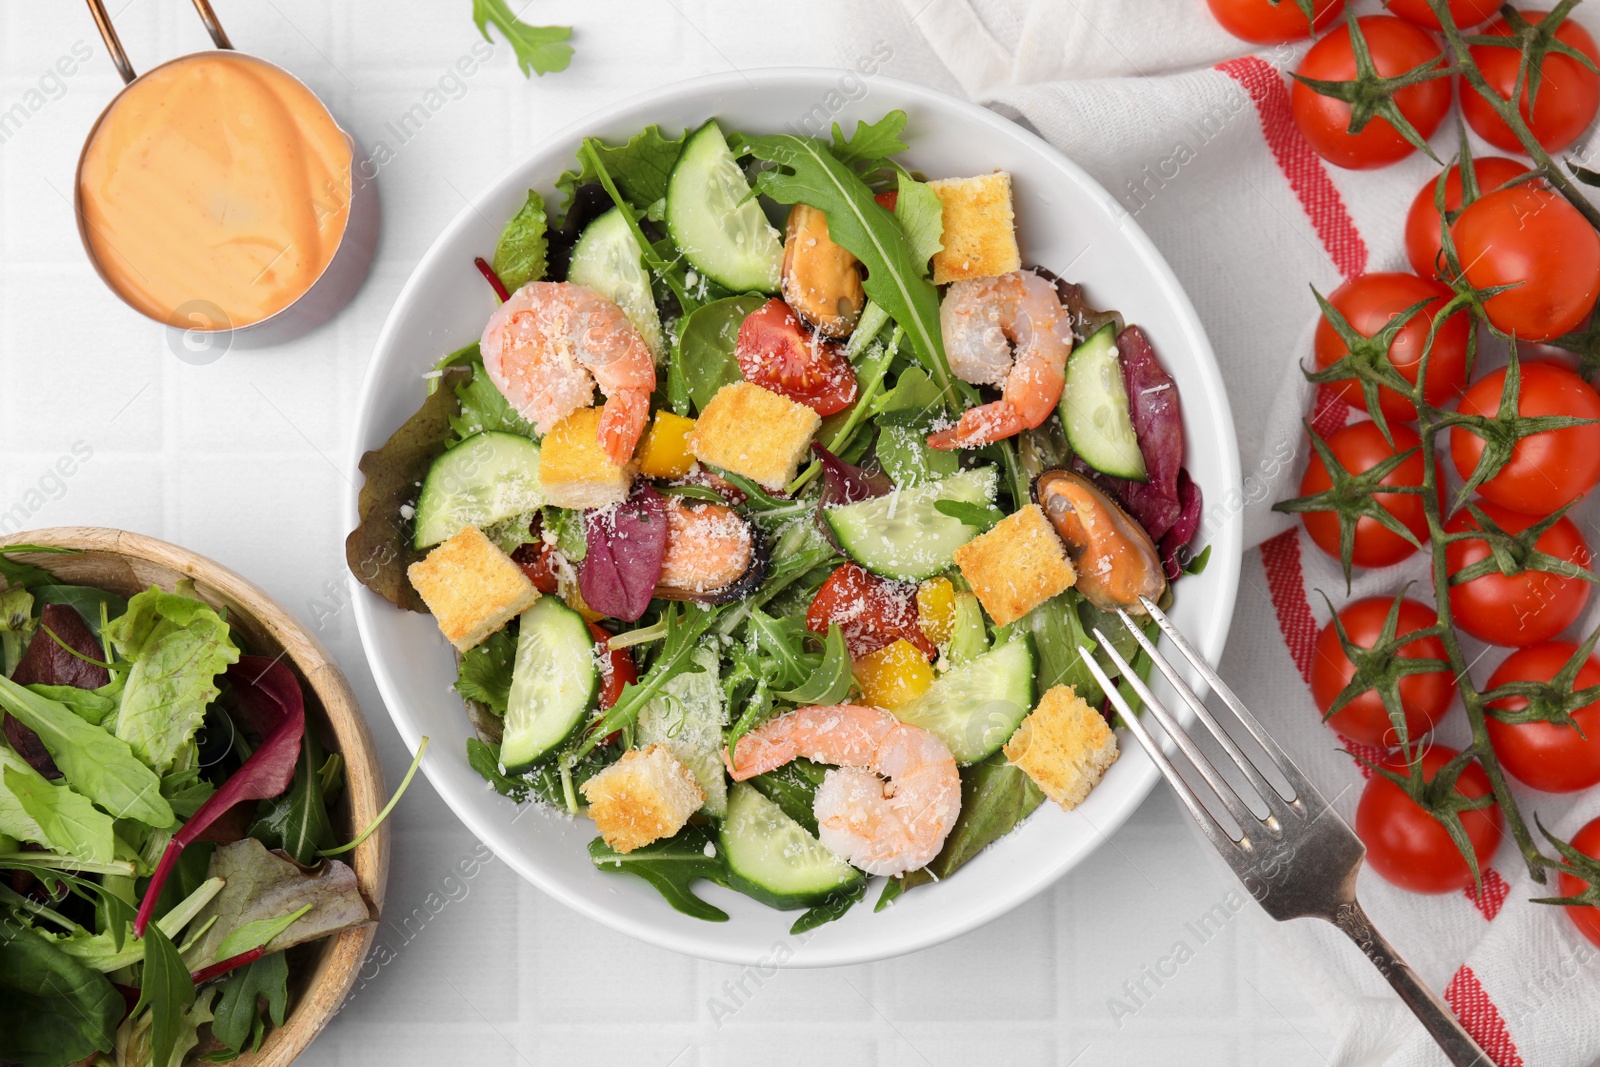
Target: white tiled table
column 244, row 460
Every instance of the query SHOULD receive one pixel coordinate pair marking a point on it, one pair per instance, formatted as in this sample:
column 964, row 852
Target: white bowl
column 1066, row 222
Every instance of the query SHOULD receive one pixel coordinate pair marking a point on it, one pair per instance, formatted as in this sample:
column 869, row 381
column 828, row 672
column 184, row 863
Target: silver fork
column 1300, row 861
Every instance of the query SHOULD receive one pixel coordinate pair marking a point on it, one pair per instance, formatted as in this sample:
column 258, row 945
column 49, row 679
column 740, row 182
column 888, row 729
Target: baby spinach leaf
column 672, row 866
column 484, row 408
column 297, row 821
column 979, row 516
column 69, row 823
column 806, row 172
column 53, row 1010
column 167, row 990
column 793, row 787
column 177, row 645
column 639, row 168
column 904, row 452
column 995, row 797
column 1058, row 633
column 829, row 910
column 97, row 764
column 540, row 49
column 485, row 672
column 238, row 1002
column 519, row 255
column 86, row 599
column 705, row 346
column 485, row 759
column 921, row 215
column 872, row 143
column 830, row 682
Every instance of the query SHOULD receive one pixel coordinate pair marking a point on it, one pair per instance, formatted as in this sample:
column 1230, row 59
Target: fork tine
column 1224, row 792
column 1220, row 838
column 1304, row 791
column 1267, row 791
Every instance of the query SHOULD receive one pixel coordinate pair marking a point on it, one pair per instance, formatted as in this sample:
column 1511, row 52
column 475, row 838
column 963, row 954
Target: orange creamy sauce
column 215, row 178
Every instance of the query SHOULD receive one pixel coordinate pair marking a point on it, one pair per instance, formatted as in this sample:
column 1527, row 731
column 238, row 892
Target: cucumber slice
column 715, row 222
column 904, row 535
column 975, row 708
column 776, row 860
column 1094, row 409
column 607, row 259
column 554, row 682
column 484, row 479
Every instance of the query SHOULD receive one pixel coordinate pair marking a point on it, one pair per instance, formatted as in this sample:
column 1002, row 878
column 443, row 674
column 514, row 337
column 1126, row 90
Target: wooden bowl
column 125, row 563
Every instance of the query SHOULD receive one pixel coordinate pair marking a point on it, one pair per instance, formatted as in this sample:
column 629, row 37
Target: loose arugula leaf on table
column 520, row 254
column 540, row 49
column 97, row 764
column 704, row 352
column 380, row 548
column 237, row 1017
column 177, row 646
column 995, row 797
column 672, row 866
column 485, row 672
column 167, row 990
column 640, row 167
column 54, row 1010
column 829, row 910
column 804, row 171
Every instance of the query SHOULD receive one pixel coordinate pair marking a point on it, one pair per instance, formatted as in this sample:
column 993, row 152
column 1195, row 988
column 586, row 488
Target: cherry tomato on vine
column 1423, row 243
column 1368, row 303
column 1546, row 470
column 1520, row 609
column 1359, row 447
column 1424, row 697
column 1263, row 22
column 1396, row 47
column 1546, row 755
column 1585, row 916
column 1568, row 95
column 1463, row 13
column 776, row 352
column 1532, row 239
column 1412, row 849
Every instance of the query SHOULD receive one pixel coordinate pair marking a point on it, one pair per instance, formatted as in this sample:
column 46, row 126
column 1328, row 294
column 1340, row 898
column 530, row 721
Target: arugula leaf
column 485, row 409
column 830, row 682
column 238, row 1000
column 567, row 525
column 672, row 866
column 921, row 215
column 257, row 933
column 53, row 1010
column 68, row 822
column 485, row 672
column 793, row 787
column 995, row 797
column 871, row 144
column 687, row 716
column 520, row 254
column 684, row 629
column 907, row 415
column 979, row 516
column 297, row 822
column 177, row 645
column 704, row 352
column 806, row 172
column 829, row 910
column 167, row 990
column 540, row 49
column 639, row 168
column 97, row 764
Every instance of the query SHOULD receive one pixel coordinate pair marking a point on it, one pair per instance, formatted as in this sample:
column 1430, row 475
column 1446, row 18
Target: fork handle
column 1432, row 1012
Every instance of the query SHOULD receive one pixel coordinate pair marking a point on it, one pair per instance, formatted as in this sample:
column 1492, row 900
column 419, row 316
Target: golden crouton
column 1016, row 566
column 751, row 431
column 1064, row 746
column 980, row 232
column 471, row 587
column 574, row 469
column 646, row 795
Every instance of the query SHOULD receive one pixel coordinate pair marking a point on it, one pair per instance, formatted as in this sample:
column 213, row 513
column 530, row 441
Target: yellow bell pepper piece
column 665, row 452
column 936, row 609
column 893, row 674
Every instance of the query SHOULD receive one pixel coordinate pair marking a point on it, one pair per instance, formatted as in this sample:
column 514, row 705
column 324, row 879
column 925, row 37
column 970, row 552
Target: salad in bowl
column 770, row 507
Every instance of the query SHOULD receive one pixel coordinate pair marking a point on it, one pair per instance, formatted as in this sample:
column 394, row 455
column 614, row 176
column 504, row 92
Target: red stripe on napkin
column 1477, row 1013
column 1286, row 584
column 1495, row 891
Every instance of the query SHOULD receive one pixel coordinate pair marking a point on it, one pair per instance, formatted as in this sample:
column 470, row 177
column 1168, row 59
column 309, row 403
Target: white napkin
column 1190, row 128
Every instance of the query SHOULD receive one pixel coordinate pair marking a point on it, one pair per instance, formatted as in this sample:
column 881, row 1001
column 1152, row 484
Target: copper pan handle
column 108, row 34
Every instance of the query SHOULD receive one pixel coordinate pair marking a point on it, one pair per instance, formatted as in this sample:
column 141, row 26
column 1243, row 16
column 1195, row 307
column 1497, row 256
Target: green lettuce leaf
column 177, row 645
column 485, row 672
column 484, row 408
column 91, row 705
column 519, row 256
column 53, row 1010
column 68, row 821
column 921, row 216
column 639, row 168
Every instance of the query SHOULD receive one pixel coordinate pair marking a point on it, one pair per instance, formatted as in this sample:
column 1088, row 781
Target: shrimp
column 981, row 320
column 547, row 348
column 892, row 798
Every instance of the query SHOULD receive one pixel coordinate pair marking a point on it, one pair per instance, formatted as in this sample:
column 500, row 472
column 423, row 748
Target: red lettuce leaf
column 45, row 662
column 1184, row 528
column 626, row 545
column 843, row 483
column 270, row 699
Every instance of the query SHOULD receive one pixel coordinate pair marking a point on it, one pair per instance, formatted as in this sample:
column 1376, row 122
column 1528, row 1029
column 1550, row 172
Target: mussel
column 714, row 554
column 821, row 281
column 1116, row 561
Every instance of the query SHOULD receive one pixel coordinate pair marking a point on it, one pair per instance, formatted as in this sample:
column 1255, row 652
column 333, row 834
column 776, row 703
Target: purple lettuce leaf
column 45, row 662
column 844, row 483
column 626, row 544
column 1176, row 539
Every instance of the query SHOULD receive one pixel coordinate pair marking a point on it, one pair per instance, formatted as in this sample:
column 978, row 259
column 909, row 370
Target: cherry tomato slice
column 873, row 612
column 617, row 670
column 776, row 352
column 537, row 561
